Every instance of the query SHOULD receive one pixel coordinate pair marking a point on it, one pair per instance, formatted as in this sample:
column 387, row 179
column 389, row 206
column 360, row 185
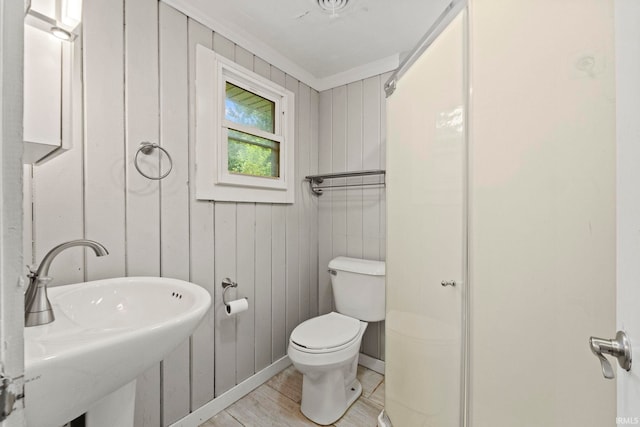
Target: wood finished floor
column 277, row 403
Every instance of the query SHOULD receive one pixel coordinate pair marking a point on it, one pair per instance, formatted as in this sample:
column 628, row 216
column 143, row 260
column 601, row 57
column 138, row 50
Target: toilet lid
column 327, row 331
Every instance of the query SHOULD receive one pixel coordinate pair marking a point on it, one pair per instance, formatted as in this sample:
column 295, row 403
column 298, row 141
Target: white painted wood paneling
column 351, row 136
column 224, row 46
column 339, row 164
column 262, row 295
column 312, row 209
column 261, row 67
column 325, row 216
column 225, row 266
column 147, row 406
column 372, row 96
column 58, row 222
column 354, row 162
column 244, row 57
column 201, row 235
column 278, row 76
column 263, row 303
column 142, row 216
column 278, row 264
column 292, row 255
column 142, row 124
column 305, row 199
column 140, row 85
column 245, row 268
column 174, row 194
column 174, row 134
column 278, row 282
column 58, row 215
column 104, row 157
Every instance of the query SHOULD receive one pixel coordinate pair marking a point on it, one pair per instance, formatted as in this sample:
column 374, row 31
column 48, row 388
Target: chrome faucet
column 37, row 308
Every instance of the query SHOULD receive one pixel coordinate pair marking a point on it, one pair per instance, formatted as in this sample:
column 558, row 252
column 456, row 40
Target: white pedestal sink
column 106, row 333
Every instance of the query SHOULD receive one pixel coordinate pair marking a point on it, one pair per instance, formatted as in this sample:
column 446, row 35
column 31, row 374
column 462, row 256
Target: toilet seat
column 327, row 333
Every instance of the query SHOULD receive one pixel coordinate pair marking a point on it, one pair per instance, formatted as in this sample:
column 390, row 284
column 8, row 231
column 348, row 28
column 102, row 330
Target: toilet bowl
column 328, row 364
column 325, row 349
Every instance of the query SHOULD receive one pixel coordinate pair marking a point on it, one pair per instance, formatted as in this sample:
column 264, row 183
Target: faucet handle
column 38, row 309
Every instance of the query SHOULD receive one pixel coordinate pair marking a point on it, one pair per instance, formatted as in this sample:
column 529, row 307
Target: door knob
column 620, row 348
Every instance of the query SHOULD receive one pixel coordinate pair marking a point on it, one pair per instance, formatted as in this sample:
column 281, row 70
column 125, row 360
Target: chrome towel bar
column 315, row 180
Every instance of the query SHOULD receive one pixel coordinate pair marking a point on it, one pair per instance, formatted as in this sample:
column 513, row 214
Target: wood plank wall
column 138, row 74
column 351, row 222
column 138, row 86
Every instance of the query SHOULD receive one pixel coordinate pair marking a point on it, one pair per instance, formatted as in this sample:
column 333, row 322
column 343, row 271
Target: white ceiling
column 295, row 35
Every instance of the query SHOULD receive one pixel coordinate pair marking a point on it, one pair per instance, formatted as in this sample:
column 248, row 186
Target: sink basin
column 106, row 333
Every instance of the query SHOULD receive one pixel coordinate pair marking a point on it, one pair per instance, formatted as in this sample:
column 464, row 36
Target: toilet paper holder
column 227, row 283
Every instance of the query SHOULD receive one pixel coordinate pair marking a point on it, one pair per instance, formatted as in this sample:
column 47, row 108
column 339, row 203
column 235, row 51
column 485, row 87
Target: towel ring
column 147, row 148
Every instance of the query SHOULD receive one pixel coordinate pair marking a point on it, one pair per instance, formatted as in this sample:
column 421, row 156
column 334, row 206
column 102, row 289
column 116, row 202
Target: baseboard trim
column 228, row 398
column 371, row 363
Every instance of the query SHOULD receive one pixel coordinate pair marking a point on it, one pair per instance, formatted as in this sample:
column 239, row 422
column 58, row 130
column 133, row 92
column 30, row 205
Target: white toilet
column 325, row 349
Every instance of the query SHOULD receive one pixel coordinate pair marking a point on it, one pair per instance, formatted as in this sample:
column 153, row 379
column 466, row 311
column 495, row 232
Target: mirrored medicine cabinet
column 52, row 79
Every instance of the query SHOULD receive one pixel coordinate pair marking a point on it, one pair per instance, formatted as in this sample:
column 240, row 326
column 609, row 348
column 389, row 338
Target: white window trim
column 213, row 180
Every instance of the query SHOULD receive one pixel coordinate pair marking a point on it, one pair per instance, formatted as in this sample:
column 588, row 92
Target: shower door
column 426, row 235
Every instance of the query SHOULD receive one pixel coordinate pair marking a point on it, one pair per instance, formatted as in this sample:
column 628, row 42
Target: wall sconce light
column 60, row 33
column 61, row 18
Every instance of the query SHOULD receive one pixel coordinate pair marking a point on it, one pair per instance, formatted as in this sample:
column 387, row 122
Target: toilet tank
column 358, row 287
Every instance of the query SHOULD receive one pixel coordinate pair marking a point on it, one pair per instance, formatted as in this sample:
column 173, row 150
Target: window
column 249, row 153
column 244, row 134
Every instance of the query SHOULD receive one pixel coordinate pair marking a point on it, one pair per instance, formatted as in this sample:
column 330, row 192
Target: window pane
column 252, row 155
column 247, row 108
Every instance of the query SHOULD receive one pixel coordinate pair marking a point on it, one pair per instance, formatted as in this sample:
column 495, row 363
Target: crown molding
column 247, row 41
column 361, row 72
column 275, row 58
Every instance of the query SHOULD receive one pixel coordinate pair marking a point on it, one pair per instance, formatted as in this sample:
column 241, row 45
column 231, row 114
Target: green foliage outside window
column 249, row 154
column 252, row 155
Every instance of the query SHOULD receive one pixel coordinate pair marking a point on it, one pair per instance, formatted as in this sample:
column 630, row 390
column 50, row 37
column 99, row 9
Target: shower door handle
column 619, row 347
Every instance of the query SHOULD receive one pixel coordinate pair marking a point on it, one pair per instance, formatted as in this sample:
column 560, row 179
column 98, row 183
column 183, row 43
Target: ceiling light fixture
column 332, row 6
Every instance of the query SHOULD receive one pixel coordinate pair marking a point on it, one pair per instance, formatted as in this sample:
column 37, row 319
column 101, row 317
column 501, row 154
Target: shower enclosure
column 501, row 218
column 426, row 193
